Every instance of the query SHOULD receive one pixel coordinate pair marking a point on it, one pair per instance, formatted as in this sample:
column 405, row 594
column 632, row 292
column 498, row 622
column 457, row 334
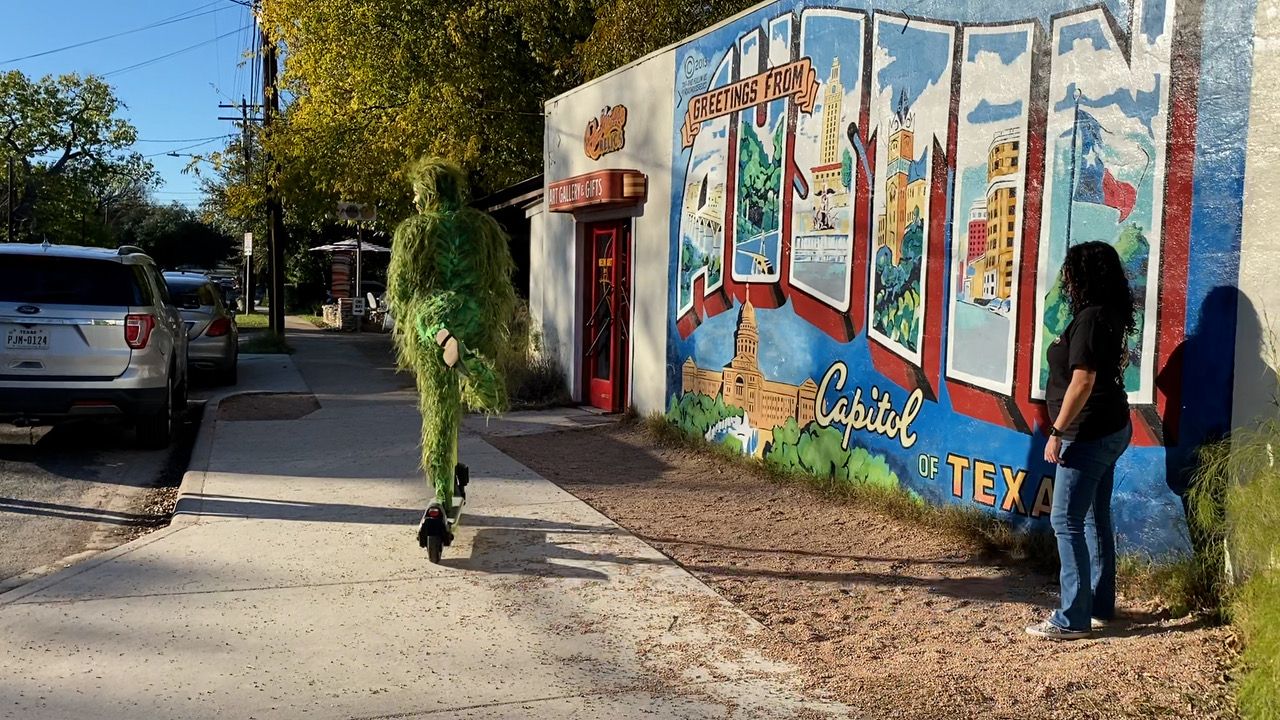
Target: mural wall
column 871, row 209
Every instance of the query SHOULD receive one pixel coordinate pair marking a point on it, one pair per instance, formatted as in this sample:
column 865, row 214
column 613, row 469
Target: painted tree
column 817, row 450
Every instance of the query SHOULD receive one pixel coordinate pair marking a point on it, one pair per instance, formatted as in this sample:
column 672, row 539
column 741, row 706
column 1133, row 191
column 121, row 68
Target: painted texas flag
column 1094, row 182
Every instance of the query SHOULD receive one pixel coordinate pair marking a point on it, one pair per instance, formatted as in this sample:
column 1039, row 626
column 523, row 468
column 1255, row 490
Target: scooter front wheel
column 435, row 546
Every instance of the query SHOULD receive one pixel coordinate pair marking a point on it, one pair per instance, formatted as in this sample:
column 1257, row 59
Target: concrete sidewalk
column 291, row 585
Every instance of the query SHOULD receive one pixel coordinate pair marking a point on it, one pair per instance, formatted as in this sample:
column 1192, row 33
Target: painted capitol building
column 768, row 403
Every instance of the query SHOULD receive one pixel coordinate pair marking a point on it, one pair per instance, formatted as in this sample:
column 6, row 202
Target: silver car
column 90, row 332
column 213, row 340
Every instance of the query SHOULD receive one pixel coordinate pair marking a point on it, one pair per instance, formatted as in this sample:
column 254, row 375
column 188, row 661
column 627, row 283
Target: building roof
column 524, row 194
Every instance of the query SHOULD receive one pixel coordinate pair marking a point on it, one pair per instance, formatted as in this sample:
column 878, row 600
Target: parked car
column 213, row 340
column 90, row 332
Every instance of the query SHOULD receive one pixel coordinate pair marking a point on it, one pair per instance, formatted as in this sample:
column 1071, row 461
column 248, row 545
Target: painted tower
column 828, row 191
column 975, row 247
column 1004, row 166
column 906, row 189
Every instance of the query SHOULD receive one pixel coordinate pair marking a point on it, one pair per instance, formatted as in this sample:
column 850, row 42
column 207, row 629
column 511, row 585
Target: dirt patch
column 882, row 616
column 267, row 406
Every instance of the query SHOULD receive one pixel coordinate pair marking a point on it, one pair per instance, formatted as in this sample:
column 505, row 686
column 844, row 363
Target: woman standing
column 1090, row 407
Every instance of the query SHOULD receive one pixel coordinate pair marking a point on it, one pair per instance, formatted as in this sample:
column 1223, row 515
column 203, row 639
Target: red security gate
column 607, row 336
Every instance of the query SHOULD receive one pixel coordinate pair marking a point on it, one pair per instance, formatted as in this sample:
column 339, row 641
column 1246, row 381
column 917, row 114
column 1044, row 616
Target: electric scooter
column 436, row 530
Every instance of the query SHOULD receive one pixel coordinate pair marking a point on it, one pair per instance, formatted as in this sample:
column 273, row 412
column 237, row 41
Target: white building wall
column 556, row 268
column 1258, row 313
column 537, row 262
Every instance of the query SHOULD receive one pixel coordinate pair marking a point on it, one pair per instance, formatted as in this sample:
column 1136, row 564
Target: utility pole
column 275, row 214
column 9, row 215
column 246, row 143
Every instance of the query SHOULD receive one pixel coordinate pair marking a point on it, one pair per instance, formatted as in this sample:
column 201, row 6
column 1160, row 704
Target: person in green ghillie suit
column 449, row 284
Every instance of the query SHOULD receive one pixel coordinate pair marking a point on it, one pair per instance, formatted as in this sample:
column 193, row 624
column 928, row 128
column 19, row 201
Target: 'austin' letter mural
column 871, row 206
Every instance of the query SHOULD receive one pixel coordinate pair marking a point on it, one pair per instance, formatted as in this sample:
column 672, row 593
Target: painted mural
column 872, row 203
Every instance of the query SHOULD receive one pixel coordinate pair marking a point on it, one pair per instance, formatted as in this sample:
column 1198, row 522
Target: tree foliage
column 759, row 182
column 73, row 166
column 897, row 299
column 175, row 236
column 625, row 30
column 373, row 85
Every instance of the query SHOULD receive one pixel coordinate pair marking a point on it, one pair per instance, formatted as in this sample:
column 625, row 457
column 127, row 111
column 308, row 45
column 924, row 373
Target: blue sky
column 172, row 102
column 919, row 58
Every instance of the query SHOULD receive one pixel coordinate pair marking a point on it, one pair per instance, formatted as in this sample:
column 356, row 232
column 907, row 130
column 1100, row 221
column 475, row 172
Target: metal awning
column 350, row 246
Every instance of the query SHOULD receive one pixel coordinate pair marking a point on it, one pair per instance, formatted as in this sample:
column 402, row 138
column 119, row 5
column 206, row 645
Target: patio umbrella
column 350, row 246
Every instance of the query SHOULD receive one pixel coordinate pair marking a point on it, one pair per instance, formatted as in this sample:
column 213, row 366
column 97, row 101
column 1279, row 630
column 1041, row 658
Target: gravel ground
column 882, row 616
column 81, row 488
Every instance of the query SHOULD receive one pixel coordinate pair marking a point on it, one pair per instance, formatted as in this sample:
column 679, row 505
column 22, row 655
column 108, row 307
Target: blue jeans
column 1081, row 520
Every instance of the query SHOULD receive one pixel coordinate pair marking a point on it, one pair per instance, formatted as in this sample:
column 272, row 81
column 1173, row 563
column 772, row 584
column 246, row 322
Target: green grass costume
column 450, row 270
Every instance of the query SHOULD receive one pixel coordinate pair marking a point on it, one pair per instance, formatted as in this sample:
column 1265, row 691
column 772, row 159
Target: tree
column 846, row 169
column 625, row 30
column 375, row 84
column 72, row 162
column 175, row 236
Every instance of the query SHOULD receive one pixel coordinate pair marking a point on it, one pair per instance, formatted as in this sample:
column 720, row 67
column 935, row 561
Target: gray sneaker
column 1049, row 631
column 1099, row 623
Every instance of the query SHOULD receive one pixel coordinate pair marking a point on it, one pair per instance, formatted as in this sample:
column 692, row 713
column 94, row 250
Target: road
column 80, row 488
column 981, row 344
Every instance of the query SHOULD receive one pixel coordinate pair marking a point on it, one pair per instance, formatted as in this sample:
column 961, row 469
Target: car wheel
column 155, row 431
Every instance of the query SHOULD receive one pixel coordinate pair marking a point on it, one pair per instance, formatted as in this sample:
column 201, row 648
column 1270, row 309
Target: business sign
column 600, row 188
column 607, row 133
column 357, row 212
column 797, row 80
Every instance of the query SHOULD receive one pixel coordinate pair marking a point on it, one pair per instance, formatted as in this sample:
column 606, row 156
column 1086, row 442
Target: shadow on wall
column 1204, row 413
column 1198, row 379
column 1201, row 410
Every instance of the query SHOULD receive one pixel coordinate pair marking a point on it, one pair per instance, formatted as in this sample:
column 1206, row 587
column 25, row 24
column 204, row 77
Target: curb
column 92, row 560
column 190, row 491
column 186, row 514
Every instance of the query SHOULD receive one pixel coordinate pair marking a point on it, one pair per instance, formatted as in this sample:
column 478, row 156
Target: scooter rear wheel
column 435, row 546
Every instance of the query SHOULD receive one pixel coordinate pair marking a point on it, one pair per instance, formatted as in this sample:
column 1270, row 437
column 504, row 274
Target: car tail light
column 137, row 330
column 218, row 327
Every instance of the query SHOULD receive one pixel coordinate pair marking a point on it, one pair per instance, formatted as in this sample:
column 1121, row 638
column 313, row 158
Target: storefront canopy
column 350, row 246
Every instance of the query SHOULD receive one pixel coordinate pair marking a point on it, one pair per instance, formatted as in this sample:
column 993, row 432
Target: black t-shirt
column 1093, row 341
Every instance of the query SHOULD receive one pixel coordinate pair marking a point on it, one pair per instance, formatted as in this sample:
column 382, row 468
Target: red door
column 607, row 341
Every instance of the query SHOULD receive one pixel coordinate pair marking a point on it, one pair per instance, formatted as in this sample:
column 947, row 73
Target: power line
column 188, row 147
column 181, row 17
column 178, row 140
column 166, row 56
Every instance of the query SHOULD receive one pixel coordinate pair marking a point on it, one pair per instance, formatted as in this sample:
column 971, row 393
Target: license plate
column 26, row 339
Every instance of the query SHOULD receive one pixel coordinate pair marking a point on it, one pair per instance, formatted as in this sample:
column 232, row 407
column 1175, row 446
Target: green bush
column 1251, row 526
column 696, row 413
column 534, row 378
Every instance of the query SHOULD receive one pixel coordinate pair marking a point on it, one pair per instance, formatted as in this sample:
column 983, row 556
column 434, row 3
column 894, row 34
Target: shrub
column 534, row 378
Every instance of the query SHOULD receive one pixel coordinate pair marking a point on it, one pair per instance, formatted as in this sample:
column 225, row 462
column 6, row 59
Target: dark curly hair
column 1092, row 274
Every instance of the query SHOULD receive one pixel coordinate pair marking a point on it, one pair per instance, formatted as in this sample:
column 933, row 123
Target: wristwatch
column 1054, row 431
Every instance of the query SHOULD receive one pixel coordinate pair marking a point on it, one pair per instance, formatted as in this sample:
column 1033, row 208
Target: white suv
column 89, row 332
